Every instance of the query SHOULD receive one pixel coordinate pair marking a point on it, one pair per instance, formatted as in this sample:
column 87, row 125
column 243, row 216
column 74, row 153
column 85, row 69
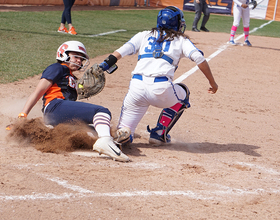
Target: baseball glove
column 91, row 83
column 253, row 3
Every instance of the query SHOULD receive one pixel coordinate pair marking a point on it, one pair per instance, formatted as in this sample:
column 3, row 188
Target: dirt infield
column 223, row 163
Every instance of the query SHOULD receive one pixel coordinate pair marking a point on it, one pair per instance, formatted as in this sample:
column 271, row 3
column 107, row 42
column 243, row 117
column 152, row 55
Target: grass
column 28, row 40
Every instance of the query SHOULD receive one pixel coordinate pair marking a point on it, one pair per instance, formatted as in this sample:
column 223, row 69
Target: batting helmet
column 71, row 46
column 171, row 17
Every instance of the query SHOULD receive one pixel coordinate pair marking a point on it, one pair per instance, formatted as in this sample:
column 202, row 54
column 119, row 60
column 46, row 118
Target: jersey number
column 72, row 82
column 154, row 44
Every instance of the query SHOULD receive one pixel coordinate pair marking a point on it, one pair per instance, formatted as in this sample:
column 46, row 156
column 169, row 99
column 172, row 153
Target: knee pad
column 185, row 102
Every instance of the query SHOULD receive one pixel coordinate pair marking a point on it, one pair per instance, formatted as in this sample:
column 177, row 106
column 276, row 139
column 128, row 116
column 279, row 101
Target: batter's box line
column 51, row 196
column 267, row 170
column 216, row 195
column 82, row 193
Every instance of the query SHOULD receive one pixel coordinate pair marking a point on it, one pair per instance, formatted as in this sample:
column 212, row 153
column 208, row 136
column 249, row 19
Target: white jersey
column 144, row 43
column 151, row 83
column 240, row 2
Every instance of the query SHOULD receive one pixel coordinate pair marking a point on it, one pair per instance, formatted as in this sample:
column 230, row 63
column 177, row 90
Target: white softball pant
column 146, row 92
column 238, row 13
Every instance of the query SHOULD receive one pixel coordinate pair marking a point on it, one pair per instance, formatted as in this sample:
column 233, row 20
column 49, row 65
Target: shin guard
column 168, row 118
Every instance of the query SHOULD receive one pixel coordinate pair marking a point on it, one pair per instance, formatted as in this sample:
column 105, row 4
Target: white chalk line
column 51, row 196
column 65, row 184
column 97, row 35
column 203, row 195
column 267, row 170
column 80, row 192
column 102, row 34
column 221, row 49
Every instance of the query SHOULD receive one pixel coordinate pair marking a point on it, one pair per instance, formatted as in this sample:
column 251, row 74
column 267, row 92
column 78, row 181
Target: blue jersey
column 64, row 83
column 59, row 101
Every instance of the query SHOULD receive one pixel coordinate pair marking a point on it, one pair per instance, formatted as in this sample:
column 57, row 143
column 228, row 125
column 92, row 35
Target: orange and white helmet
column 72, row 46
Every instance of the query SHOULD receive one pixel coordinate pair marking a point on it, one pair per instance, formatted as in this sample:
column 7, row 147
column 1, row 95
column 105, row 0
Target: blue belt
column 157, row 79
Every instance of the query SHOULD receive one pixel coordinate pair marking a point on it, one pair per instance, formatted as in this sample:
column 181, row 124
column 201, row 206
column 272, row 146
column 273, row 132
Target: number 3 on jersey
column 154, row 44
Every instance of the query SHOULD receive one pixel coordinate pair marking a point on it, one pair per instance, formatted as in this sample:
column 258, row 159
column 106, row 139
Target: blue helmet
column 171, row 17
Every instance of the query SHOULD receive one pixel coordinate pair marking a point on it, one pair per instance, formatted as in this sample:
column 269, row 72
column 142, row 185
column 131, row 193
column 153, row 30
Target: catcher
column 60, row 90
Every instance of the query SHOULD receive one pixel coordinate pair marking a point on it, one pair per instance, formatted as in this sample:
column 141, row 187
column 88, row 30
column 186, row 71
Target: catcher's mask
column 171, row 17
column 74, row 46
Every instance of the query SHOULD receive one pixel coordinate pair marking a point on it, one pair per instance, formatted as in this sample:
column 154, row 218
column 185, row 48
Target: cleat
column 204, row 29
column 122, row 136
column 232, row 42
column 195, row 30
column 157, row 139
column 106, row 145
column 72, row 31
column 62, row 30
column 247, row 43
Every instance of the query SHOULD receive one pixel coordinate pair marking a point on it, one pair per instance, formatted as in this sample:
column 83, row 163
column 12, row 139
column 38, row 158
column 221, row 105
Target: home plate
column 87, row 153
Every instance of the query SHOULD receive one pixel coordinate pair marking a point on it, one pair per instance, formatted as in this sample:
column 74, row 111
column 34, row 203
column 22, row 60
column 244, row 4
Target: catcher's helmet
column 68, row 46
column 171, row 17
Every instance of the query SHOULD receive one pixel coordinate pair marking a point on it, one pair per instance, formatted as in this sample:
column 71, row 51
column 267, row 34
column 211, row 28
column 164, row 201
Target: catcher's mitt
column 254, row 4
column 91, row 83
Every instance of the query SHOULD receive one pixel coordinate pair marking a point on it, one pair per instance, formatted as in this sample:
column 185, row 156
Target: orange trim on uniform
column 54, row 92
column 64, row 64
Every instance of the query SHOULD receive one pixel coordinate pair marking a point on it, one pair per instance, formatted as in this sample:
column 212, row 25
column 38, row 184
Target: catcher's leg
column 134, row 108
column 167, row 119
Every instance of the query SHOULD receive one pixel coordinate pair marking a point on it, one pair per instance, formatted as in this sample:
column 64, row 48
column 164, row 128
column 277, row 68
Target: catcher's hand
column 91, row 83
column 253, row 3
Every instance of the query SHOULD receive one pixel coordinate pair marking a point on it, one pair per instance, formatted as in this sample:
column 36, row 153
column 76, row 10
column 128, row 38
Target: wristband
column 22, row 115
column 108, row 62
column 104, row 66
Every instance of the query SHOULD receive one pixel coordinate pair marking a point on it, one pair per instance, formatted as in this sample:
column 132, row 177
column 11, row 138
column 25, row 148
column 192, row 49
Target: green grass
column 28, row 40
